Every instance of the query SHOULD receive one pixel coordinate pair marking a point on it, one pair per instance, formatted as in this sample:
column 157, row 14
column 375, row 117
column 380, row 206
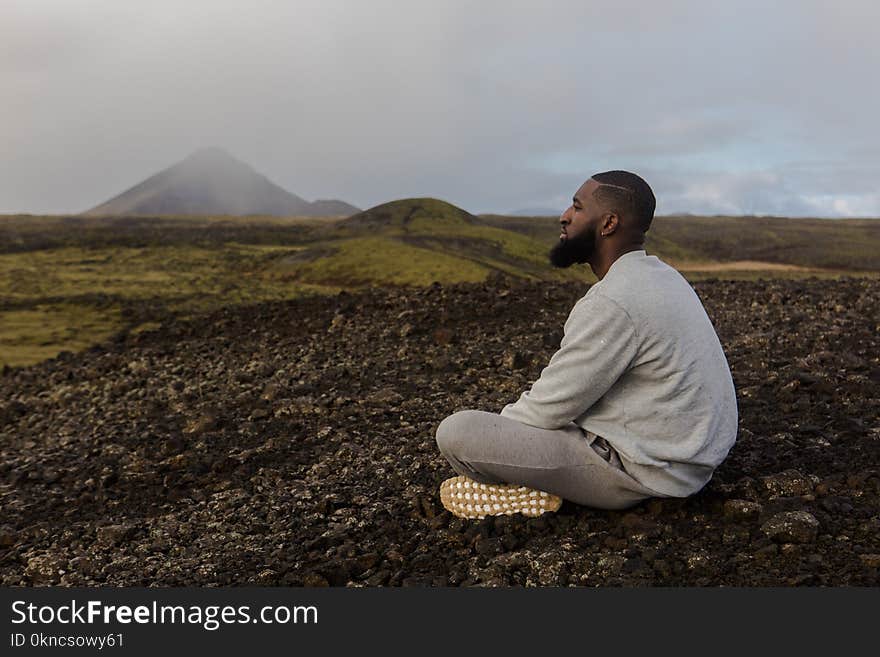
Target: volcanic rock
column 792, row 527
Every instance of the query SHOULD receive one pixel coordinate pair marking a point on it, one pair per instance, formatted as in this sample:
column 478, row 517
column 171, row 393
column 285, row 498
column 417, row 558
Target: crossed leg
column 568, row 462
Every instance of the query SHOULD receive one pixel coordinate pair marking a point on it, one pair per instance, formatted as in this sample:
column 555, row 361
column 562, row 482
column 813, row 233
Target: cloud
column 493, row 105
column 761, row 193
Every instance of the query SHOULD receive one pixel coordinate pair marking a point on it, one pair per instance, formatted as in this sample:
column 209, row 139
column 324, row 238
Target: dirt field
column 291, row 443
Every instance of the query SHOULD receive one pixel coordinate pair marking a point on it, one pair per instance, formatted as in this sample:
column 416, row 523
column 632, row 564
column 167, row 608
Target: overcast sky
column 731, row 107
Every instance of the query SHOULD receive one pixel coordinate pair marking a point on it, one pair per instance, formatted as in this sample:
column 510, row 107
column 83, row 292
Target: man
column 638, row 401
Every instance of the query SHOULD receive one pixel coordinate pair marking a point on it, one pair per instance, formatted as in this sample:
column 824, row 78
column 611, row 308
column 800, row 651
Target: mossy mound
column 410, row 212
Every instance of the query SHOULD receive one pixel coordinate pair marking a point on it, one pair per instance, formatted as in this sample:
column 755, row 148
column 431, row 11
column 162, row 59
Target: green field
column 69, row 282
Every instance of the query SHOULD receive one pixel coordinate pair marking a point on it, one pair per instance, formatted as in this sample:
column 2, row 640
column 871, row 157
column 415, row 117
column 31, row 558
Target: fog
column 723, row 107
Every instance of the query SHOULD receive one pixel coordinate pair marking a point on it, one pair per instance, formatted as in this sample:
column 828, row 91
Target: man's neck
column 603, row 260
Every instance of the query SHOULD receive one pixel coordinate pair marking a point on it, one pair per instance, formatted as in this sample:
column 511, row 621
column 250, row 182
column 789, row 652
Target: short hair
column 628, row 193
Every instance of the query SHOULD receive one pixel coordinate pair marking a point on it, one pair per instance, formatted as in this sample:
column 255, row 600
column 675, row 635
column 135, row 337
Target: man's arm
column 599, row 345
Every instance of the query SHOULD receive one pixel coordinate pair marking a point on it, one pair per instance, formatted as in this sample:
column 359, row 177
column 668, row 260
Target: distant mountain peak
column 210, row 152
column 213, row 155
column 211, row 181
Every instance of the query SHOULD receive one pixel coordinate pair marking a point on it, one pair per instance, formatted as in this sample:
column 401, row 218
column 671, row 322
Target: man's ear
column 610, row 223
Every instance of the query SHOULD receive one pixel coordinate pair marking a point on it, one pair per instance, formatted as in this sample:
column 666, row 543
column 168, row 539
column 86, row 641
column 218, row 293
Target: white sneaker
column 466, row 498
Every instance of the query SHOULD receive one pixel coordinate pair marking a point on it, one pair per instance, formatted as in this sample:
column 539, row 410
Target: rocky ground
column 292, row 444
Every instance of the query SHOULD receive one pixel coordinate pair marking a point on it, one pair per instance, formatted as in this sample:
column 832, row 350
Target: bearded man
column 638, row 401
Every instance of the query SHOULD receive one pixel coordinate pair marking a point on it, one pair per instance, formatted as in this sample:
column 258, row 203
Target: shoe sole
column 466, row 498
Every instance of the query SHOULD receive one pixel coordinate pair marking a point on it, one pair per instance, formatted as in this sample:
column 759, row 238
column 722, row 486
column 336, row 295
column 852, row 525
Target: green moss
column 406, row 212
column 510, row 243
column 135, row 273
column 383, row 260
column 29, row 336
column 52, row 294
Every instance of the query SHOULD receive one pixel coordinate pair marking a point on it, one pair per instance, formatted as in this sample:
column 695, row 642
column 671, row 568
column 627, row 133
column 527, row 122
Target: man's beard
column 573, row 250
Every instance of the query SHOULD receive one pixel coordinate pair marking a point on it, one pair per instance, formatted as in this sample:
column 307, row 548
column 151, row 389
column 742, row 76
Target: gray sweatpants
column 572, row 463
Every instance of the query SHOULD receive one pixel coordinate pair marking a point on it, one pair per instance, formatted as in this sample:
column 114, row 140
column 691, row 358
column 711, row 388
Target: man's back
column 677, row 405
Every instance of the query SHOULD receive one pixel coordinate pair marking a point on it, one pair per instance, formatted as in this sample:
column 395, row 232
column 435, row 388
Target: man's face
column 577, row 238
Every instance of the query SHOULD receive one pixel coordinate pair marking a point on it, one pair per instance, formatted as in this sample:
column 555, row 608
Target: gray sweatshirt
column 640, row 364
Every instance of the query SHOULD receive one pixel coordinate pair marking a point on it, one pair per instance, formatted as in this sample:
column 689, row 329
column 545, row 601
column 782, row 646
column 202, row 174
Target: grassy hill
column 68, row 282
column 417, row 242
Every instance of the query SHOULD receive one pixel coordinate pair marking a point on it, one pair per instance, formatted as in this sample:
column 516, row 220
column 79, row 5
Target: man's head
column 612, row 210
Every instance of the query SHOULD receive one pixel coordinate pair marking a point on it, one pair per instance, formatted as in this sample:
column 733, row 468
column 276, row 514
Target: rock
column 82, row 565
column 366, row 561
column 792, row 527
column 379, row 579
column 514, row 360
column 441, row 363
column 787, row 484
column 315, row 580
column 613, row 543
column 489, row 546
column 698, row 561
column 111, row 535
column 635, row 565
column 739, row 510
column 735, row 533
column 766, row 552
column 417, row 581
column 790, row 549
column 870, row 560
column 612, row 563
column 385, row 397
column 272, row 391
column 44, row 568
column 337, row 323
column 200, row 424
column 50, row 476
column 7, row 536
column 443, row 336
column 662, row 567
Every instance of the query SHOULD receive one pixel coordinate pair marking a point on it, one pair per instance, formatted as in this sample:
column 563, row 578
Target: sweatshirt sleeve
column 598, row 346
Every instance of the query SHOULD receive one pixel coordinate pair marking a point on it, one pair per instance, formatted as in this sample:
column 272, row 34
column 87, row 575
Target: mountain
column 213, row 182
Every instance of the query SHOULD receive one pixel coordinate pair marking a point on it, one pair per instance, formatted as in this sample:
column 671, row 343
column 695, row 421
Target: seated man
column 638, row 401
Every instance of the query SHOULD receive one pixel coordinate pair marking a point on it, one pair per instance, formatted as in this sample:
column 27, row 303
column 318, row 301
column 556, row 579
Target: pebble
column 742, row 510
column 112, row 535
column 82, row 564
column 870, row 560
column 315, row 580
column 787, row 484
column 443, row 336
column 792, row 527
column 7, row 536
column 515, row 360
column 766, row 552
